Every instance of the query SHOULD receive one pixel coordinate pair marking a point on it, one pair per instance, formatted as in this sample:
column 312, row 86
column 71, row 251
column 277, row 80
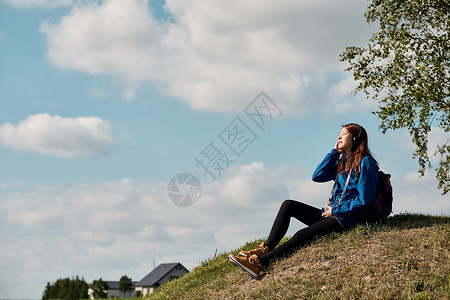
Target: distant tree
column 47, row 291
column 82, row 288
column 67, row 289
column 406, row 68
column 125, row 284
column 99, row 288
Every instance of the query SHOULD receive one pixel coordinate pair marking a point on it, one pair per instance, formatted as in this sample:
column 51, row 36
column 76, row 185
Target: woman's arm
column 327, row 169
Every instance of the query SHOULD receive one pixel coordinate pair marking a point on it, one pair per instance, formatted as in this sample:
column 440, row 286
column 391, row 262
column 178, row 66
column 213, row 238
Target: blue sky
column 103, row 102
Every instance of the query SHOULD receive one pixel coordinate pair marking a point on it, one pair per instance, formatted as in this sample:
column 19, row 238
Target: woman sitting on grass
column 355, row 172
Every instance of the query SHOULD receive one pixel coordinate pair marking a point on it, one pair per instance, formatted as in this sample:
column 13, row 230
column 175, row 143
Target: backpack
column 381, row 207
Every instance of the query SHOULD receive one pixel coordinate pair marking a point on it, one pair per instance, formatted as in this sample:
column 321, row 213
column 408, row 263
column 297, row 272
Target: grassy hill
column 406, row 257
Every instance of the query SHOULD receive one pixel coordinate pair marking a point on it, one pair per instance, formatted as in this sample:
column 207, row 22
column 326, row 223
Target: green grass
column 405, row 257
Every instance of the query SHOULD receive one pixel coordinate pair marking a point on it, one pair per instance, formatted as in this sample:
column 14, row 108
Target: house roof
column 159, row 272
column 114, row 285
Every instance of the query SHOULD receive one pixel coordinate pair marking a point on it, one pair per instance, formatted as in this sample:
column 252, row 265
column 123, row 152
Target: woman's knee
column 288, row 203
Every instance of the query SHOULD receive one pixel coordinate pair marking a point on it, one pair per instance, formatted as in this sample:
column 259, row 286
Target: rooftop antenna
column 154, row 255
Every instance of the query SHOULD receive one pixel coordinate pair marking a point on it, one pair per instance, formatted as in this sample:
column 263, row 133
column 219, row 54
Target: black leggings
column 311, row 216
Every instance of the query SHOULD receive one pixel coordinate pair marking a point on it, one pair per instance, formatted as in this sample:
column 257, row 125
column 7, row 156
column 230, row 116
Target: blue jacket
column 360, row 192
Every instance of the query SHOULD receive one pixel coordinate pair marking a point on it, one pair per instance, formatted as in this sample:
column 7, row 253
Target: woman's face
column 345, row 141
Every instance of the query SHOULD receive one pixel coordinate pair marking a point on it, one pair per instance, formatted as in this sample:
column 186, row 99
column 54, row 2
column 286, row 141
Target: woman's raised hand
column 337, row 146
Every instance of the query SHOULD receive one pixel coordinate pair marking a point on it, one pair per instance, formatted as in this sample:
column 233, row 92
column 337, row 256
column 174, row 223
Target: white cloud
column 415, row 194
column 10, row 185
column 212, row 55
column 38, row 3
column 55, row 135
column 99, row 93
column 110, row 229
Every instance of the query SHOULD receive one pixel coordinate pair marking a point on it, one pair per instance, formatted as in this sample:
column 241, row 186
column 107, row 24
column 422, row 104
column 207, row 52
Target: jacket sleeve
column 327, row 169
column 362, row 193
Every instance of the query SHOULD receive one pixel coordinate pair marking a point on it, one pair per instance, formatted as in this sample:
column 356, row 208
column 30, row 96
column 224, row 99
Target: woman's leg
column 302, row 237
column 291, row 209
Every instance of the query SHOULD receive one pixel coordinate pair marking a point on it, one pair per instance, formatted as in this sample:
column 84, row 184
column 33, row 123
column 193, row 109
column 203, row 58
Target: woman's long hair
column 359, row 150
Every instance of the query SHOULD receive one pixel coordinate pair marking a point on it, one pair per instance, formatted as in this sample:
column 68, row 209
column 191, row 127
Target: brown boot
column 259, row 251
column 250, row 264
